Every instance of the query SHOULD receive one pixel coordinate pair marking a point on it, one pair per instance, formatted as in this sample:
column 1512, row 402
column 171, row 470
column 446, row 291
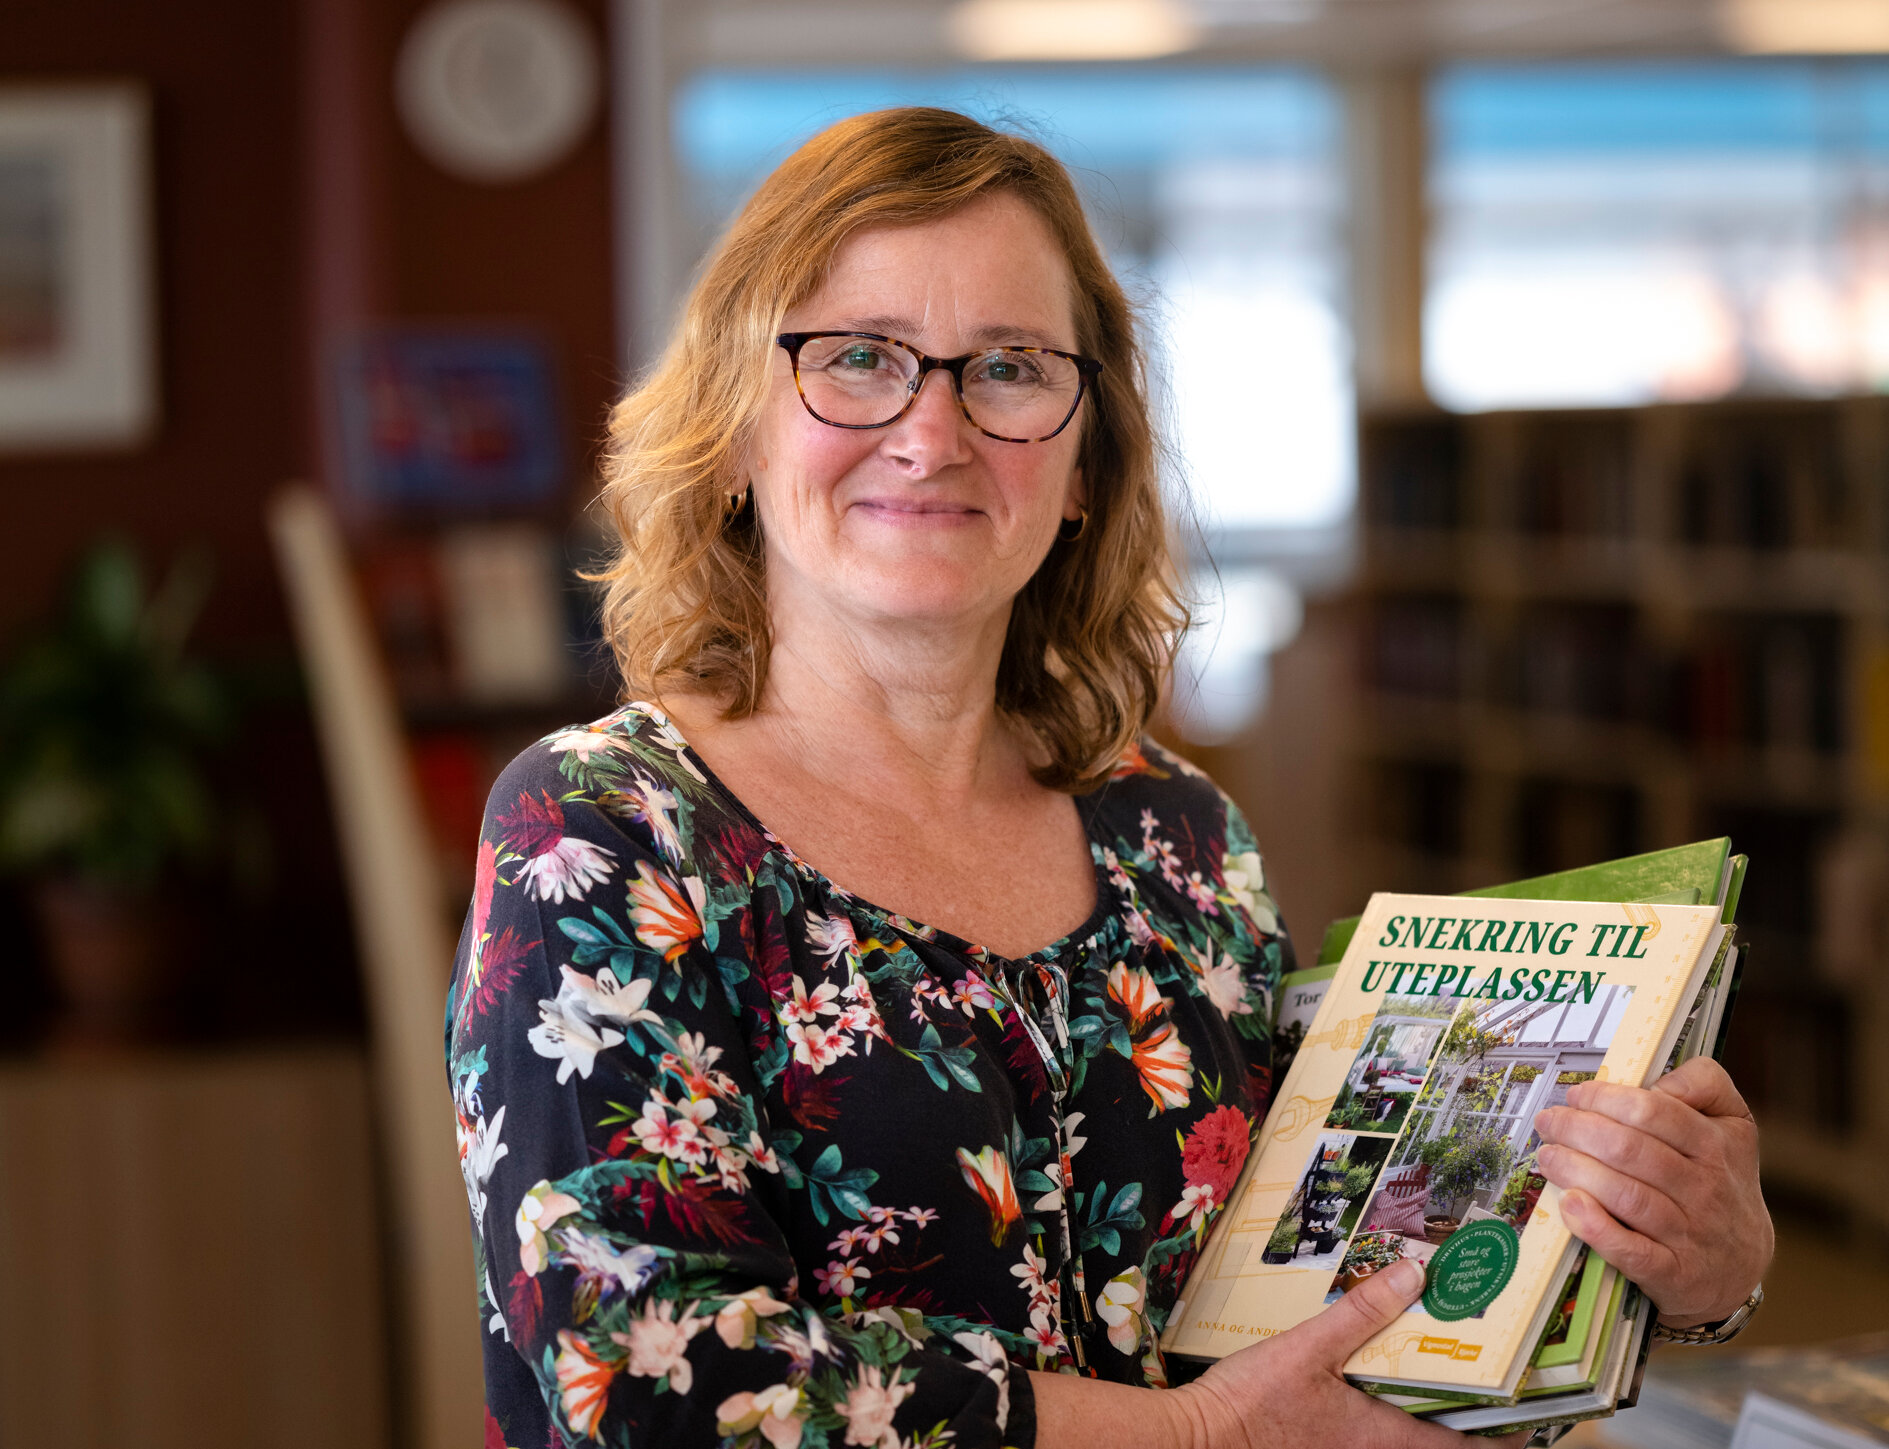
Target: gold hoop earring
column 736, row 502
column 1068, row 534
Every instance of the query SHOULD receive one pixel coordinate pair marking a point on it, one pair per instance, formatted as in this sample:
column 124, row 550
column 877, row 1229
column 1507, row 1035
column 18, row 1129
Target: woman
column 752, row 1158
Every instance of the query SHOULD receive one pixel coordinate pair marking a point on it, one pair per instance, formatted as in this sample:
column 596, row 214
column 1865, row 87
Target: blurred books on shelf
column 1586, row 633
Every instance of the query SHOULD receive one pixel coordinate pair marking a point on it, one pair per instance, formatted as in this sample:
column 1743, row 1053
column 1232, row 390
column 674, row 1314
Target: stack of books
column 1414, row 1058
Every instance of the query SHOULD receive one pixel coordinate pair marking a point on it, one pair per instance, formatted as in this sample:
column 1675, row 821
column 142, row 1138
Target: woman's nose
column 933, row 431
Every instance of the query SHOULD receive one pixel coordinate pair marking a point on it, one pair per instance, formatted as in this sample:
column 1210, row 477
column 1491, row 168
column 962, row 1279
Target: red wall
column 288, row 202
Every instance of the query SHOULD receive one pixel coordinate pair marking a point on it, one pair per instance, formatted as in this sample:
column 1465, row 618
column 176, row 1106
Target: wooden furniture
column 1590, row 633
column 406, row 956
column 190, row 1253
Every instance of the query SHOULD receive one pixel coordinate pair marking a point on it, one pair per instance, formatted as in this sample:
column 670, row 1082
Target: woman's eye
column 1005, row 368
column 860, row 358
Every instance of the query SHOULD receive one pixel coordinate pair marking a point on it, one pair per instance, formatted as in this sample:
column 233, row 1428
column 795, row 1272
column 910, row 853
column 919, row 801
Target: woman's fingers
column 1641, row 1205
column 1665, row 1115
column 1355, row 1319
column 1623, row 1148
column 1705, row 1086
column 1643, row 1260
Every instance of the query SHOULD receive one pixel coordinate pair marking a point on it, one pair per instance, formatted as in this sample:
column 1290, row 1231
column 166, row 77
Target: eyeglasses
column 864, row 380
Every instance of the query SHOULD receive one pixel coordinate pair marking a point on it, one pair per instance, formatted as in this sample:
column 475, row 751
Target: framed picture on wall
column 77, row 333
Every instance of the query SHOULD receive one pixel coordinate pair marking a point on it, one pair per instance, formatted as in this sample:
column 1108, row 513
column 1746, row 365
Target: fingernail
column 1407, row 1277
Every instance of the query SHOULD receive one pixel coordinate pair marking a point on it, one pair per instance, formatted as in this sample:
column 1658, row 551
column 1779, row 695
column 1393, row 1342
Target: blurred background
column 1524, row 362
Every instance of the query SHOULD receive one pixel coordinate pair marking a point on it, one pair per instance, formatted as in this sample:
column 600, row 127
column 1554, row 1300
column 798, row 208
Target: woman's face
column 927, row 519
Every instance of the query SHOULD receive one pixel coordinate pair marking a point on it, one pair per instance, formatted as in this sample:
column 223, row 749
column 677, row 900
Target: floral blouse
column 753, row 1161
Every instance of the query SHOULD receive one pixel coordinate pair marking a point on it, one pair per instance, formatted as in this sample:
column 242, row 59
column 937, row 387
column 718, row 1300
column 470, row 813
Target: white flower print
column 479, row 1152
column 648, row 802
column 570, row 867
column 1202, row 894
column 1045, row 1333
column 1246, row 883
column 995, row 1363
column 1031, row 1270
column 1196, row 1204
column 1119, row 1305
column 1161, row 852
column 1051, row 1201
column 677, row 1137
column 870, row 1405
column 832, row 937
column 603, row 998
column 538, row 1211
column 761, row 1154
column 973, row 994
column 775, row 1411
column 584, row 742
column 1220, row 978
column 664, row 734
column 735, row 1320
column 841, row 1277
column 1073, row 1144
column 658, row 1342
column 817, row 1046
column 566, row 1035
column 629, row 1270
column 808, row 1006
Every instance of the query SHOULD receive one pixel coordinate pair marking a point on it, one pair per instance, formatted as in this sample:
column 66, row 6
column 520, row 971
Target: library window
column 1617, row 234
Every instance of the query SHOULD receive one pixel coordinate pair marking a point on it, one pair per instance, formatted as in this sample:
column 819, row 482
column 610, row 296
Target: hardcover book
column 1413, row 1059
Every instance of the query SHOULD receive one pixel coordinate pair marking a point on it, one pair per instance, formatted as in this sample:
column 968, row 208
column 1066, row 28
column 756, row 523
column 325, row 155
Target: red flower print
column 1136, row 762
column 1215, row 1150
column 500, row 961
column 485, row 877
column 532, row 828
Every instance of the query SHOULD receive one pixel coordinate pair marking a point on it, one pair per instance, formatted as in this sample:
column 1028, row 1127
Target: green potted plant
column 1369, row 1253
column 1358, row 1179
column 105, row 723
column 1520, row 1193
column 1284, row 1241
column 1459, row 1163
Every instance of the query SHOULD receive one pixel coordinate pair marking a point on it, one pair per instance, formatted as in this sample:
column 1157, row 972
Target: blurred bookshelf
column 1589, row 633
column 491, row 640
column 455, row 463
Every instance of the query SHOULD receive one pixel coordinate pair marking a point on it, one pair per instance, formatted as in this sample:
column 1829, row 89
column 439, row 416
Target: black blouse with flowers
column 752, row 1161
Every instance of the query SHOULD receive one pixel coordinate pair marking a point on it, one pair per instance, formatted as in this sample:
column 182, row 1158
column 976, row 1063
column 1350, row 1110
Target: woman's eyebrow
column 992, row 336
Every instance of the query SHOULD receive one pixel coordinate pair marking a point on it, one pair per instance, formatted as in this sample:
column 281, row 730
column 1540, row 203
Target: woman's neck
column 912, row 705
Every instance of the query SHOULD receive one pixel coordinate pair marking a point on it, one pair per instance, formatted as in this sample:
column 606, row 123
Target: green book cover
column 1682, row 875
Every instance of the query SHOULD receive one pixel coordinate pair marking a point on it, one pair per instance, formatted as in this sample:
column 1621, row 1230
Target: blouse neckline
column 1092, row 927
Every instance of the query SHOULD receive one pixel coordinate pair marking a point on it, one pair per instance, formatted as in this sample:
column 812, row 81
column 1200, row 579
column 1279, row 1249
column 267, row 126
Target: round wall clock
column 497, row 90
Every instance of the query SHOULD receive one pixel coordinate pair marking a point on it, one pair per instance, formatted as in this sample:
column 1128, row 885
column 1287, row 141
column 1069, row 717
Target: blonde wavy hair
column 1092, row 635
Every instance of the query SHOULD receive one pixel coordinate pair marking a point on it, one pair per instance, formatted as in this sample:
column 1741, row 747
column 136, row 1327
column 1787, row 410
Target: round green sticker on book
column 1469, row 1270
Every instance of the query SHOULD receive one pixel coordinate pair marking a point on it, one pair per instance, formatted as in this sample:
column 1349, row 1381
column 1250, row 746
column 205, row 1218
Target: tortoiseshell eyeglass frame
column 1086, row 368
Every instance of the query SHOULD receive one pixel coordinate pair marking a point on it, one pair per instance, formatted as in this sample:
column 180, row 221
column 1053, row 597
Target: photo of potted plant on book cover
column 1462, row 1134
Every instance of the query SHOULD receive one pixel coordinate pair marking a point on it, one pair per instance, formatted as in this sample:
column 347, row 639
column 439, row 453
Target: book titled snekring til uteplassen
column 1403, row 1127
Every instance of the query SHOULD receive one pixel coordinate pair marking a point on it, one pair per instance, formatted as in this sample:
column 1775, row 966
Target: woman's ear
column 1075, row 496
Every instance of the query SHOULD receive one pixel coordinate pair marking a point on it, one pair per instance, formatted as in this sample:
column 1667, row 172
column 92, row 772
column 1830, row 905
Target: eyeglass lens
column 861, row 382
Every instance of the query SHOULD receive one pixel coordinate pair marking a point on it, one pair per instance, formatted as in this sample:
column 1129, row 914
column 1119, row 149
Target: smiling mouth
column 917, row 511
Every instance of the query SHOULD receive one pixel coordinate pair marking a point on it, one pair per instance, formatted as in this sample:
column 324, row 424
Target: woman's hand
column 1662, row 1182
column 1290, row 1391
